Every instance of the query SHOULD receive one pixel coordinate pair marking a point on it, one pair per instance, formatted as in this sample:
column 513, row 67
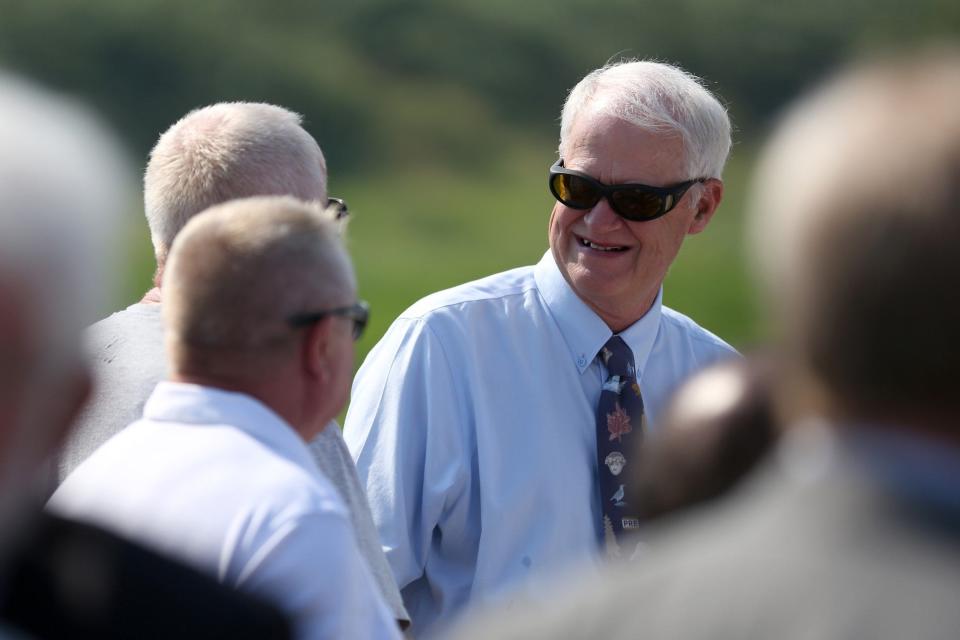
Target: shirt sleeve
column 405, row 430
column 311, row 568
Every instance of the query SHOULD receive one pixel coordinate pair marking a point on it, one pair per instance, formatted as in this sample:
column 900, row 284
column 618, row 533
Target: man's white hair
column 64, row 182
column 656, row 97
column 227, row 151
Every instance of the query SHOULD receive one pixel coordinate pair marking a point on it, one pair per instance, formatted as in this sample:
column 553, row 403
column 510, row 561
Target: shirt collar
column 200, row 405
column 583, row 330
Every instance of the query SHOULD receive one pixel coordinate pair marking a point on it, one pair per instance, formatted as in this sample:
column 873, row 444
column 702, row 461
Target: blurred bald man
column 62, row 189
column 853, row 530
column 717, row 427
column 261, row 314
column 210, row 156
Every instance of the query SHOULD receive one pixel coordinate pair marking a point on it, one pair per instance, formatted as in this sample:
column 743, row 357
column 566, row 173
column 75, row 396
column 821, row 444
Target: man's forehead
column 623, row 151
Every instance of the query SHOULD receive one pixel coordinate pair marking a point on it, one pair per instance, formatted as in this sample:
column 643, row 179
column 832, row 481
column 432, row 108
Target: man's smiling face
column 614, row 265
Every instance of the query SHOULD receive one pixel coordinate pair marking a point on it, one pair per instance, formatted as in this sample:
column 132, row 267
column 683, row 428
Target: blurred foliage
column 439, row 118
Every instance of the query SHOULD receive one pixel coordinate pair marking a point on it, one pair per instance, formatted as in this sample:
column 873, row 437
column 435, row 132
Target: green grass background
column 439, row 118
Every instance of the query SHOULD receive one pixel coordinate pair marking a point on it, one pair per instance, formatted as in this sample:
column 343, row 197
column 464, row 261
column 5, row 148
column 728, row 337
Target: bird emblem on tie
column 614, row 384
column 617, row 497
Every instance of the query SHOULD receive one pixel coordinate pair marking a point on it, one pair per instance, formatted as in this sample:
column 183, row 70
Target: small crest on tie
column 614, row 384
column 615, row 461
column 617, row 497
column 618, row 423
column 636, row 389
column 630, row 523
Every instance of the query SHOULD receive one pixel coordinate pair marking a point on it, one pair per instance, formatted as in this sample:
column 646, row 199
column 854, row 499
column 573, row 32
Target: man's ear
column 315, row 348
column 711, row 193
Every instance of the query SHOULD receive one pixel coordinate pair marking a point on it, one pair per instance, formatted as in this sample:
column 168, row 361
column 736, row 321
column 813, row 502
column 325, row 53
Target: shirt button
column 581, row 361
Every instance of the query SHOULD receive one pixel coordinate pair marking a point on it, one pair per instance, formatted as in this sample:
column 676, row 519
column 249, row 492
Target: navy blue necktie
column 620, row 422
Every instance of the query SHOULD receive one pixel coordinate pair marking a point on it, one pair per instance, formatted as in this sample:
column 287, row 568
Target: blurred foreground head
column 62, row 189
column 223, row 152
column 239, row 274
column 717, row 427
column 856, row 229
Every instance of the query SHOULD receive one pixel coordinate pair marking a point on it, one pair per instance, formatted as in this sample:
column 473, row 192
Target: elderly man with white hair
column 210, row 156
column 62, row 188
column 482, row 421
column 261, row 313
column 853, row 528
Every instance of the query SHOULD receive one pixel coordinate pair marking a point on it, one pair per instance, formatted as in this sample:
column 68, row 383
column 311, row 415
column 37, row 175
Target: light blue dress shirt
column 472, row 423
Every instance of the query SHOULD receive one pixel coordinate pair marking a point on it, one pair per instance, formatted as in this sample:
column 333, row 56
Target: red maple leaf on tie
column 618, row 423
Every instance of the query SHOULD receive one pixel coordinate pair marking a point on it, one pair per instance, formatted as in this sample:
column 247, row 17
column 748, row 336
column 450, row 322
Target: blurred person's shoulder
column 803, row 549
column 637, row 597
column 810, row 545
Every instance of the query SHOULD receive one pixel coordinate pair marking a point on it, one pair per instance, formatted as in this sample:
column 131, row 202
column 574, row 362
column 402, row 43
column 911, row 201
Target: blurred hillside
column 439, row 119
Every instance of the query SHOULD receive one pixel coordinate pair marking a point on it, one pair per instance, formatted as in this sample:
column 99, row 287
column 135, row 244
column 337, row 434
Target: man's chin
column 594, row 289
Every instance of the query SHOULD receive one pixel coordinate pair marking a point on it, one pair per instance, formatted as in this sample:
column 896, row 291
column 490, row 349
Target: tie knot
column 618, row 358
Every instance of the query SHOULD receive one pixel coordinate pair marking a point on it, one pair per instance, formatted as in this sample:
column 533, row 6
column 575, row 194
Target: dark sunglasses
column 359, row 312
column 637, row 202
column 340, row 206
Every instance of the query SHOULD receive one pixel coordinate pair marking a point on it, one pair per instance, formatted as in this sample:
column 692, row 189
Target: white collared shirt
column 220, row 481
column 473, row 426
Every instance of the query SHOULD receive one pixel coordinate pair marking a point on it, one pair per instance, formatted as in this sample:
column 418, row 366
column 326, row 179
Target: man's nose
column 602, row 215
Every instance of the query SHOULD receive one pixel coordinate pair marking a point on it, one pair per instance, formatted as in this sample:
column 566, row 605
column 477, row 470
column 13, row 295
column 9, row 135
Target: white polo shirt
column 220, row 481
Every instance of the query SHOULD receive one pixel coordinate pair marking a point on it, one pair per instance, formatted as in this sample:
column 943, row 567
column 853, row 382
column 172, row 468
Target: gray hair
column 238, row 270
column 64, row 182
column 227, row 151
column 855, row 228
column 656, row 97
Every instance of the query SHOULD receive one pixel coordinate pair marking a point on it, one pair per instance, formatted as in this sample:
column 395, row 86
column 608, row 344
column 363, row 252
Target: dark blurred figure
column 61, row 190
column 715, row 430
column 853, row 529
